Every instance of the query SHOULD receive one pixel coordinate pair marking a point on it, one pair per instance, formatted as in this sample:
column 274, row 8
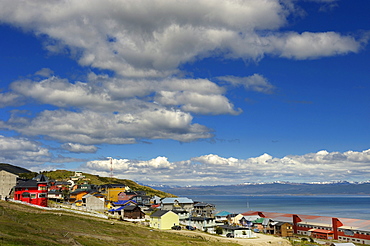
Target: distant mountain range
column 273, row 188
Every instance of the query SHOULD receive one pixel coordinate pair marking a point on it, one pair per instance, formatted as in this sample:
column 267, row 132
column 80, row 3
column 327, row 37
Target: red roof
column 355, row 224
column 321, row 231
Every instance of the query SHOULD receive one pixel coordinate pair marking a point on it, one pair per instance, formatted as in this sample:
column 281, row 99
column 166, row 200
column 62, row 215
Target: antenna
column 111, row 167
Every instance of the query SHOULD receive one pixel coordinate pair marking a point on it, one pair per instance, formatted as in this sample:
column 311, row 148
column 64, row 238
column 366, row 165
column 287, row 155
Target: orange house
column 76, row 196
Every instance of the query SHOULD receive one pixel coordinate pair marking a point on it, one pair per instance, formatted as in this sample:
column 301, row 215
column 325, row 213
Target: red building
column 342, row 229
column 34, row 191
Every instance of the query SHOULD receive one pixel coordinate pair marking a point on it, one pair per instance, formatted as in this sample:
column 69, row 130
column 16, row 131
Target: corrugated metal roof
column 222, row 213
column 171, row 200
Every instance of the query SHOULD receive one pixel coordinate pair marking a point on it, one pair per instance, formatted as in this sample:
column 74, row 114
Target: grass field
column 24, row 225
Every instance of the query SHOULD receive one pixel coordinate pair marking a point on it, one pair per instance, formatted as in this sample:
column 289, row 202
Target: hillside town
column 120, row 202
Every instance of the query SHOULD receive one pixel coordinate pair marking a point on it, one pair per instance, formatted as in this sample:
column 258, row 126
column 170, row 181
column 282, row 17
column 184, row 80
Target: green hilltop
column 98, row 180
column 64, row 175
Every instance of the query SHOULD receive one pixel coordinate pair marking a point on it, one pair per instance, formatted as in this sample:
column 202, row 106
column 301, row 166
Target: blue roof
column 117, row 209
column 123, row 202
column 222, row 213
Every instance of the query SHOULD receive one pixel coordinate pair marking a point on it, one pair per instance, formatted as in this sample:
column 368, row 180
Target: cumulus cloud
column 79, row 148
column 88, row 127
column 152, row 38
column 213, row 169
column 22, row 151
column 255, row 82
column 9, row 99
column 45, row 72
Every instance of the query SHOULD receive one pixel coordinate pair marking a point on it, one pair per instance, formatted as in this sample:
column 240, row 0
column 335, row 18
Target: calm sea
column 356, row 207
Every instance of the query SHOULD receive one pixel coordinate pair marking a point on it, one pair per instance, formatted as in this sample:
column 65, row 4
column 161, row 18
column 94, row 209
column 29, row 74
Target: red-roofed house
column 343, row 229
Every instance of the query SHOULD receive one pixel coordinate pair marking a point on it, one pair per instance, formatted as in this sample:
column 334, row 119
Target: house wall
column 7, row 182
column 243, row 233
column 202, row 225
column 204, row 211
column 165, row 222
column 94, row 203
column 112, row 193
column 134, row 214
column 236, row 219
column 358, row 237
column 37, row 195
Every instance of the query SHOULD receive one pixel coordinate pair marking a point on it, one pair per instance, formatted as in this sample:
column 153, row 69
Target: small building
column 55, row 195
column 76, row 196
column 283, row 229
column 222, row 216
column 203, row 209
column 133, row 213
column 7, row 181
column 234, row 219
column 201, row 223
column 183, row 214
column 32, row 191
column 322, row 234
column 163, row 219
column 178, row 203
column 237, row 232
column 111, row 191
column 94, row 202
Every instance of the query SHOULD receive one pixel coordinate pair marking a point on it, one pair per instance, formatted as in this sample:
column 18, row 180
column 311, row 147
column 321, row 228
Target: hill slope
column 97, row 180
column 24, row 225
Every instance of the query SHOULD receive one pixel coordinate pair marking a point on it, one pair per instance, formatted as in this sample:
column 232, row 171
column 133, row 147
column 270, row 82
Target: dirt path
column 260, row 240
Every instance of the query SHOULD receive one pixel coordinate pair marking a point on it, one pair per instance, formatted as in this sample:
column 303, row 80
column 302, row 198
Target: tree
column 218, row 230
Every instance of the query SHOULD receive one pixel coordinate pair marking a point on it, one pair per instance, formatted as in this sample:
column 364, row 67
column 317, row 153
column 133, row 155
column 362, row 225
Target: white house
column 7, row 181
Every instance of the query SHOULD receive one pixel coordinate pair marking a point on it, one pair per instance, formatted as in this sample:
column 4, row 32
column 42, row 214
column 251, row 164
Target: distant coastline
column 278, row 188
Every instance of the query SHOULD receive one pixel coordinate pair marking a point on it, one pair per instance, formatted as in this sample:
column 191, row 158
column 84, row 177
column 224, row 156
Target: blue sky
column 225, row 93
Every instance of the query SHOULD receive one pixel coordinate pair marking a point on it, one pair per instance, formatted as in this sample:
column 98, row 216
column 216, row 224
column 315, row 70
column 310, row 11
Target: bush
column 218, row 230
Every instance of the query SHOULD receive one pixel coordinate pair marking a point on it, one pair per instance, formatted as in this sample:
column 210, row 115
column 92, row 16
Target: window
column 42, row 195
column 33, row 196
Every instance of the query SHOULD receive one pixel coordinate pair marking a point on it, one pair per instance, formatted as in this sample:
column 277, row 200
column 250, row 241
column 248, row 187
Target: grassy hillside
column 24, row 225
column 97, row 180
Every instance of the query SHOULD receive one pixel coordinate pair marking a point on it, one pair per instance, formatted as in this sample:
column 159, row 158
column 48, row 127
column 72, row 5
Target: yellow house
column 163, row 219
column 76, row 196
column 111, row 191
column 235, row 220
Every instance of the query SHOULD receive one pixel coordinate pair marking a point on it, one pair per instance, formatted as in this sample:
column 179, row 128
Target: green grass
column 24, row 225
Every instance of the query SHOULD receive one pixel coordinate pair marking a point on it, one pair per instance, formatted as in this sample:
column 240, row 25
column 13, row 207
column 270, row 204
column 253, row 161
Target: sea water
column 356, row 207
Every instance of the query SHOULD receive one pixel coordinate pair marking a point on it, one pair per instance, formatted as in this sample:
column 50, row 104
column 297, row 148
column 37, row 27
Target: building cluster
column 319, row 227
column 119, row 202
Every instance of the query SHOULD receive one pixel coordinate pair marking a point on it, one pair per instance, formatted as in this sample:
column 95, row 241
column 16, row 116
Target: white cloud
column 213, row 170
column 79, row 148
column 88, row 127
column 22, row 151
column 9, row 99
column 45, row 72
column 313, row 45
column 255, row 82
column 152, row 38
